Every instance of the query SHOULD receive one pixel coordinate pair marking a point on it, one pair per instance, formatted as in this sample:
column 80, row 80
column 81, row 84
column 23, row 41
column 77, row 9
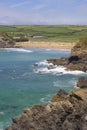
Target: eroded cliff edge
column 78, row 58
column 66, row 111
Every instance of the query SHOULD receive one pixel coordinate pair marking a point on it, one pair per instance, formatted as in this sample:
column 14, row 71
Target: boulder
column 82, row 82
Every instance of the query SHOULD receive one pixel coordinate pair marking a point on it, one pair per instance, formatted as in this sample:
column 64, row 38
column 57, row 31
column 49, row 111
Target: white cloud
column 20, row 4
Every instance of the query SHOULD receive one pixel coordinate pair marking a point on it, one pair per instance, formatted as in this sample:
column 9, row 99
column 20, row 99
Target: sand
column 56, row 45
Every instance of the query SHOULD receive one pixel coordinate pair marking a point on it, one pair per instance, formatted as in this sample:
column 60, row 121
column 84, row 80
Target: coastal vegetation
column 55, row 33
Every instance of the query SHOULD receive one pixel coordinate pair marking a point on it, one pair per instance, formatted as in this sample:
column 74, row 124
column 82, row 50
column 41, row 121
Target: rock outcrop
column 80, row 47
column 64, row 112
column 78, row 58
column 82, row 82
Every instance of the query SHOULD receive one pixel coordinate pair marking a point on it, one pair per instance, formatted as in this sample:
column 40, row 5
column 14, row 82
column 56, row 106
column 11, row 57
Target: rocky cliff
column 80, row 47
column 78, row 58
column 66, row 111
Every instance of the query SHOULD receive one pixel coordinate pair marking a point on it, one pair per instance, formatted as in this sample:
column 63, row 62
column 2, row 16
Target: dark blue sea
column 22, row 84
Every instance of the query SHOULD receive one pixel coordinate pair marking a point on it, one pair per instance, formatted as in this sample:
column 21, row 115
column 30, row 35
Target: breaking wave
column 44, row 67
column 44, row 63
column 17, row 50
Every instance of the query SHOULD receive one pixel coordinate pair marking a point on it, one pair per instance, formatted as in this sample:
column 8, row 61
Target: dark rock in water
column 73, row 59
column 72, row 63
column 35, row 65
column 79, row 63
column 77, row 60
column 61, row 61
column 64, row 112
column 82, row 82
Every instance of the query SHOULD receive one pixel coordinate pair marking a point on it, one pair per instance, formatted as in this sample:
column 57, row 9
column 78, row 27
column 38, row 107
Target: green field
column 67, row 33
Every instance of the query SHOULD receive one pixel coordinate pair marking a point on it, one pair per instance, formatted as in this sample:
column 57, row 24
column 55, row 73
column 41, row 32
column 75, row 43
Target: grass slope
column 68, row 33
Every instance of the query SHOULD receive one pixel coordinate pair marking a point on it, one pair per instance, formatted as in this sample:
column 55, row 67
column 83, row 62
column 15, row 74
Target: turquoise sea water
column 23, row 85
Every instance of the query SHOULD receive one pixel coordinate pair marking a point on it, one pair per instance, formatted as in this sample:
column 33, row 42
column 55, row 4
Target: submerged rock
column 64, row 112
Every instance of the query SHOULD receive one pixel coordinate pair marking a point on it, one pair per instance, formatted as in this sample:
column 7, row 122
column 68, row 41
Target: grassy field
column 61, row 33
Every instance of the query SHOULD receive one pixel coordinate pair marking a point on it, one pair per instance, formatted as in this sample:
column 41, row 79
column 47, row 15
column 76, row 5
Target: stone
column 77, row 60
column 66, row 111
column 82, row 82
column 60, row 96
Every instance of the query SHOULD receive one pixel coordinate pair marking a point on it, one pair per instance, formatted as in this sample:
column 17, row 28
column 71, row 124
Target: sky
column 43, row 12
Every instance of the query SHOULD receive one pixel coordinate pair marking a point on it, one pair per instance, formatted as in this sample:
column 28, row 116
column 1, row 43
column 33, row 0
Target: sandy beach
column 56, row 45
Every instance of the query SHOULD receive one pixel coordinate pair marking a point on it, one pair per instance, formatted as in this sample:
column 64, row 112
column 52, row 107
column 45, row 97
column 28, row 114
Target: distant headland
column 53, row 36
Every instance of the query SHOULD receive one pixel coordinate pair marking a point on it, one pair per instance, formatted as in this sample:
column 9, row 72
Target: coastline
column 65, row 111
column 55, row 45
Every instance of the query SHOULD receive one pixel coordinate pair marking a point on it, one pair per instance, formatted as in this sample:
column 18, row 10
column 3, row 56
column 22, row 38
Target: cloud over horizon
column 45, row 12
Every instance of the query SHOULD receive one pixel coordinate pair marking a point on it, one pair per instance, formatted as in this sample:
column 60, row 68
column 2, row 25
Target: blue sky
column 43, row 12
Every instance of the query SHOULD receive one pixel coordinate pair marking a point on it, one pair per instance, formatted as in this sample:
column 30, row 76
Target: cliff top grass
column 55, row 33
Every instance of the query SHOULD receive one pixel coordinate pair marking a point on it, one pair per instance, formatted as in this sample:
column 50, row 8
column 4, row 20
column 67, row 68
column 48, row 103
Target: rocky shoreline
column 66, row 111
column 77, row 60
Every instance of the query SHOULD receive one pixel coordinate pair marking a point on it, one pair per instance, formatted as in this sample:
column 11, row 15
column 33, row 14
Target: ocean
column 23, row 84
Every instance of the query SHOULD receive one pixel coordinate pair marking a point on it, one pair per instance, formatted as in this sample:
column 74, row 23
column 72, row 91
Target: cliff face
column 64, row 112
column 78, row 58
column 80, row 47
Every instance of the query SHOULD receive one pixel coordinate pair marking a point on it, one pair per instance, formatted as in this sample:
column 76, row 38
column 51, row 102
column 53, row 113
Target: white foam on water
column 44, row 63
column 17, row 50
column 2, row 113
column 58, row 70
column 41, row 71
